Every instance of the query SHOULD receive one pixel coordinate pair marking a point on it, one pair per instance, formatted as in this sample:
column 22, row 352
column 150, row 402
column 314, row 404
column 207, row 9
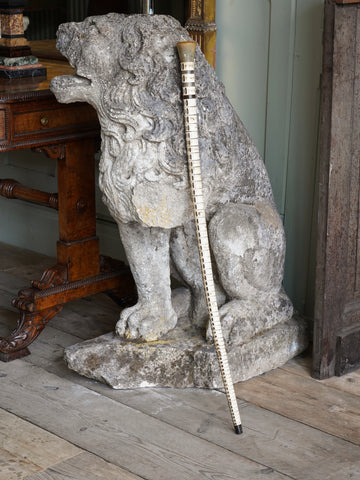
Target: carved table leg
column 29, row 327
column 56, row 275
column 39, row 305
column 80, row 271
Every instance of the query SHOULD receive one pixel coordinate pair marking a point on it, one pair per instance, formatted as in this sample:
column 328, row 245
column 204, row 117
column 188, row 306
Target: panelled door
column 337, row 303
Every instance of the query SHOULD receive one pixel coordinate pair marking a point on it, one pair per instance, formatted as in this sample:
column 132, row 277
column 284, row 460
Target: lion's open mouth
column 66, row 82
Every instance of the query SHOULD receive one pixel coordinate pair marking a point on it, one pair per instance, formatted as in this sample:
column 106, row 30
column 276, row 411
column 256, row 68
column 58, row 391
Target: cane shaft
column 187, row 53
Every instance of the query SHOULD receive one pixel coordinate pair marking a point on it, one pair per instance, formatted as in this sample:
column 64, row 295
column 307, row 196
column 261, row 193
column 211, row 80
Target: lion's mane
column 153, row 90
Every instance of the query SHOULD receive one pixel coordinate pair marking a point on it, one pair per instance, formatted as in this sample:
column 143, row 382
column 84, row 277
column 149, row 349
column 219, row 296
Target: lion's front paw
column 145, row 321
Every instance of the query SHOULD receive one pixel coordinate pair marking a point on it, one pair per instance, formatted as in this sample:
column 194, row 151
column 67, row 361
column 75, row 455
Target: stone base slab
column 183, row 358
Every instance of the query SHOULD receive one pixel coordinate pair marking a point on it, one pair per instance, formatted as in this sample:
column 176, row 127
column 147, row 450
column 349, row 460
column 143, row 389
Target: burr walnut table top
column 30, row 116
column 30, row 85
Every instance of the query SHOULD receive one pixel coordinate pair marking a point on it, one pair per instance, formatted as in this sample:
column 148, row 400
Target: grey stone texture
column 18, row 61
column 127, row 68
column 182, row 358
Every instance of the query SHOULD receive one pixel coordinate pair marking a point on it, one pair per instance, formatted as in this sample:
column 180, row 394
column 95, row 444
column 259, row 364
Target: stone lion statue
column 127, row 68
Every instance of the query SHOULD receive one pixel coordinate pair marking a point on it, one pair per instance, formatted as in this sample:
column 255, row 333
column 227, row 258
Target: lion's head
column 127, row 67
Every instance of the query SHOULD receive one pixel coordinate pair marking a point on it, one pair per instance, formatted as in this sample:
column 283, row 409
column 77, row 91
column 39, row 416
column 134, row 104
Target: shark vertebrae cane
column 187, row 54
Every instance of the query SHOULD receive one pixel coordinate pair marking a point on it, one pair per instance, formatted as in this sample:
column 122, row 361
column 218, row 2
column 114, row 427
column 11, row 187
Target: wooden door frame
column 337, row 293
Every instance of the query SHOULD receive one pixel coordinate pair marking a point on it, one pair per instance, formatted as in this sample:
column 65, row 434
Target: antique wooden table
column 30, row 117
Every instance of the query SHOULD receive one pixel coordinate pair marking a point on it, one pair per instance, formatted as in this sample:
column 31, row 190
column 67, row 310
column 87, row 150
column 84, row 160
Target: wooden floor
column 56, row 425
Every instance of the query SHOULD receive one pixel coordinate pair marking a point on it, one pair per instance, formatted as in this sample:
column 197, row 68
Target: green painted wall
column 269, row 58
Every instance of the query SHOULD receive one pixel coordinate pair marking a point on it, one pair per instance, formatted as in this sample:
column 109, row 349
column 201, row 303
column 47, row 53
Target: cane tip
column 238, row 429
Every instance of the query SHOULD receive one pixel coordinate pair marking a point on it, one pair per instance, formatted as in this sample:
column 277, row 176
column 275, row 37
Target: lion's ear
column 132, row 42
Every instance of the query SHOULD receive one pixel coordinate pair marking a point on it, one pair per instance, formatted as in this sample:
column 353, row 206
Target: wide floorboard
column 57, row 425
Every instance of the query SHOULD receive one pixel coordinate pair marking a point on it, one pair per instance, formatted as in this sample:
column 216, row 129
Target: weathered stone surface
column 128, row 69
column 182, row 358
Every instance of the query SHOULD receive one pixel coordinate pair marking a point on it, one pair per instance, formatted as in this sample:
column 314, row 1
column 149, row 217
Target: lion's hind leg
column 186, row 260
column 248, row 244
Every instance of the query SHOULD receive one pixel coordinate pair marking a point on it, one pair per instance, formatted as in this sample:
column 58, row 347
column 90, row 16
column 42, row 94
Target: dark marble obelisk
column 16, row 59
